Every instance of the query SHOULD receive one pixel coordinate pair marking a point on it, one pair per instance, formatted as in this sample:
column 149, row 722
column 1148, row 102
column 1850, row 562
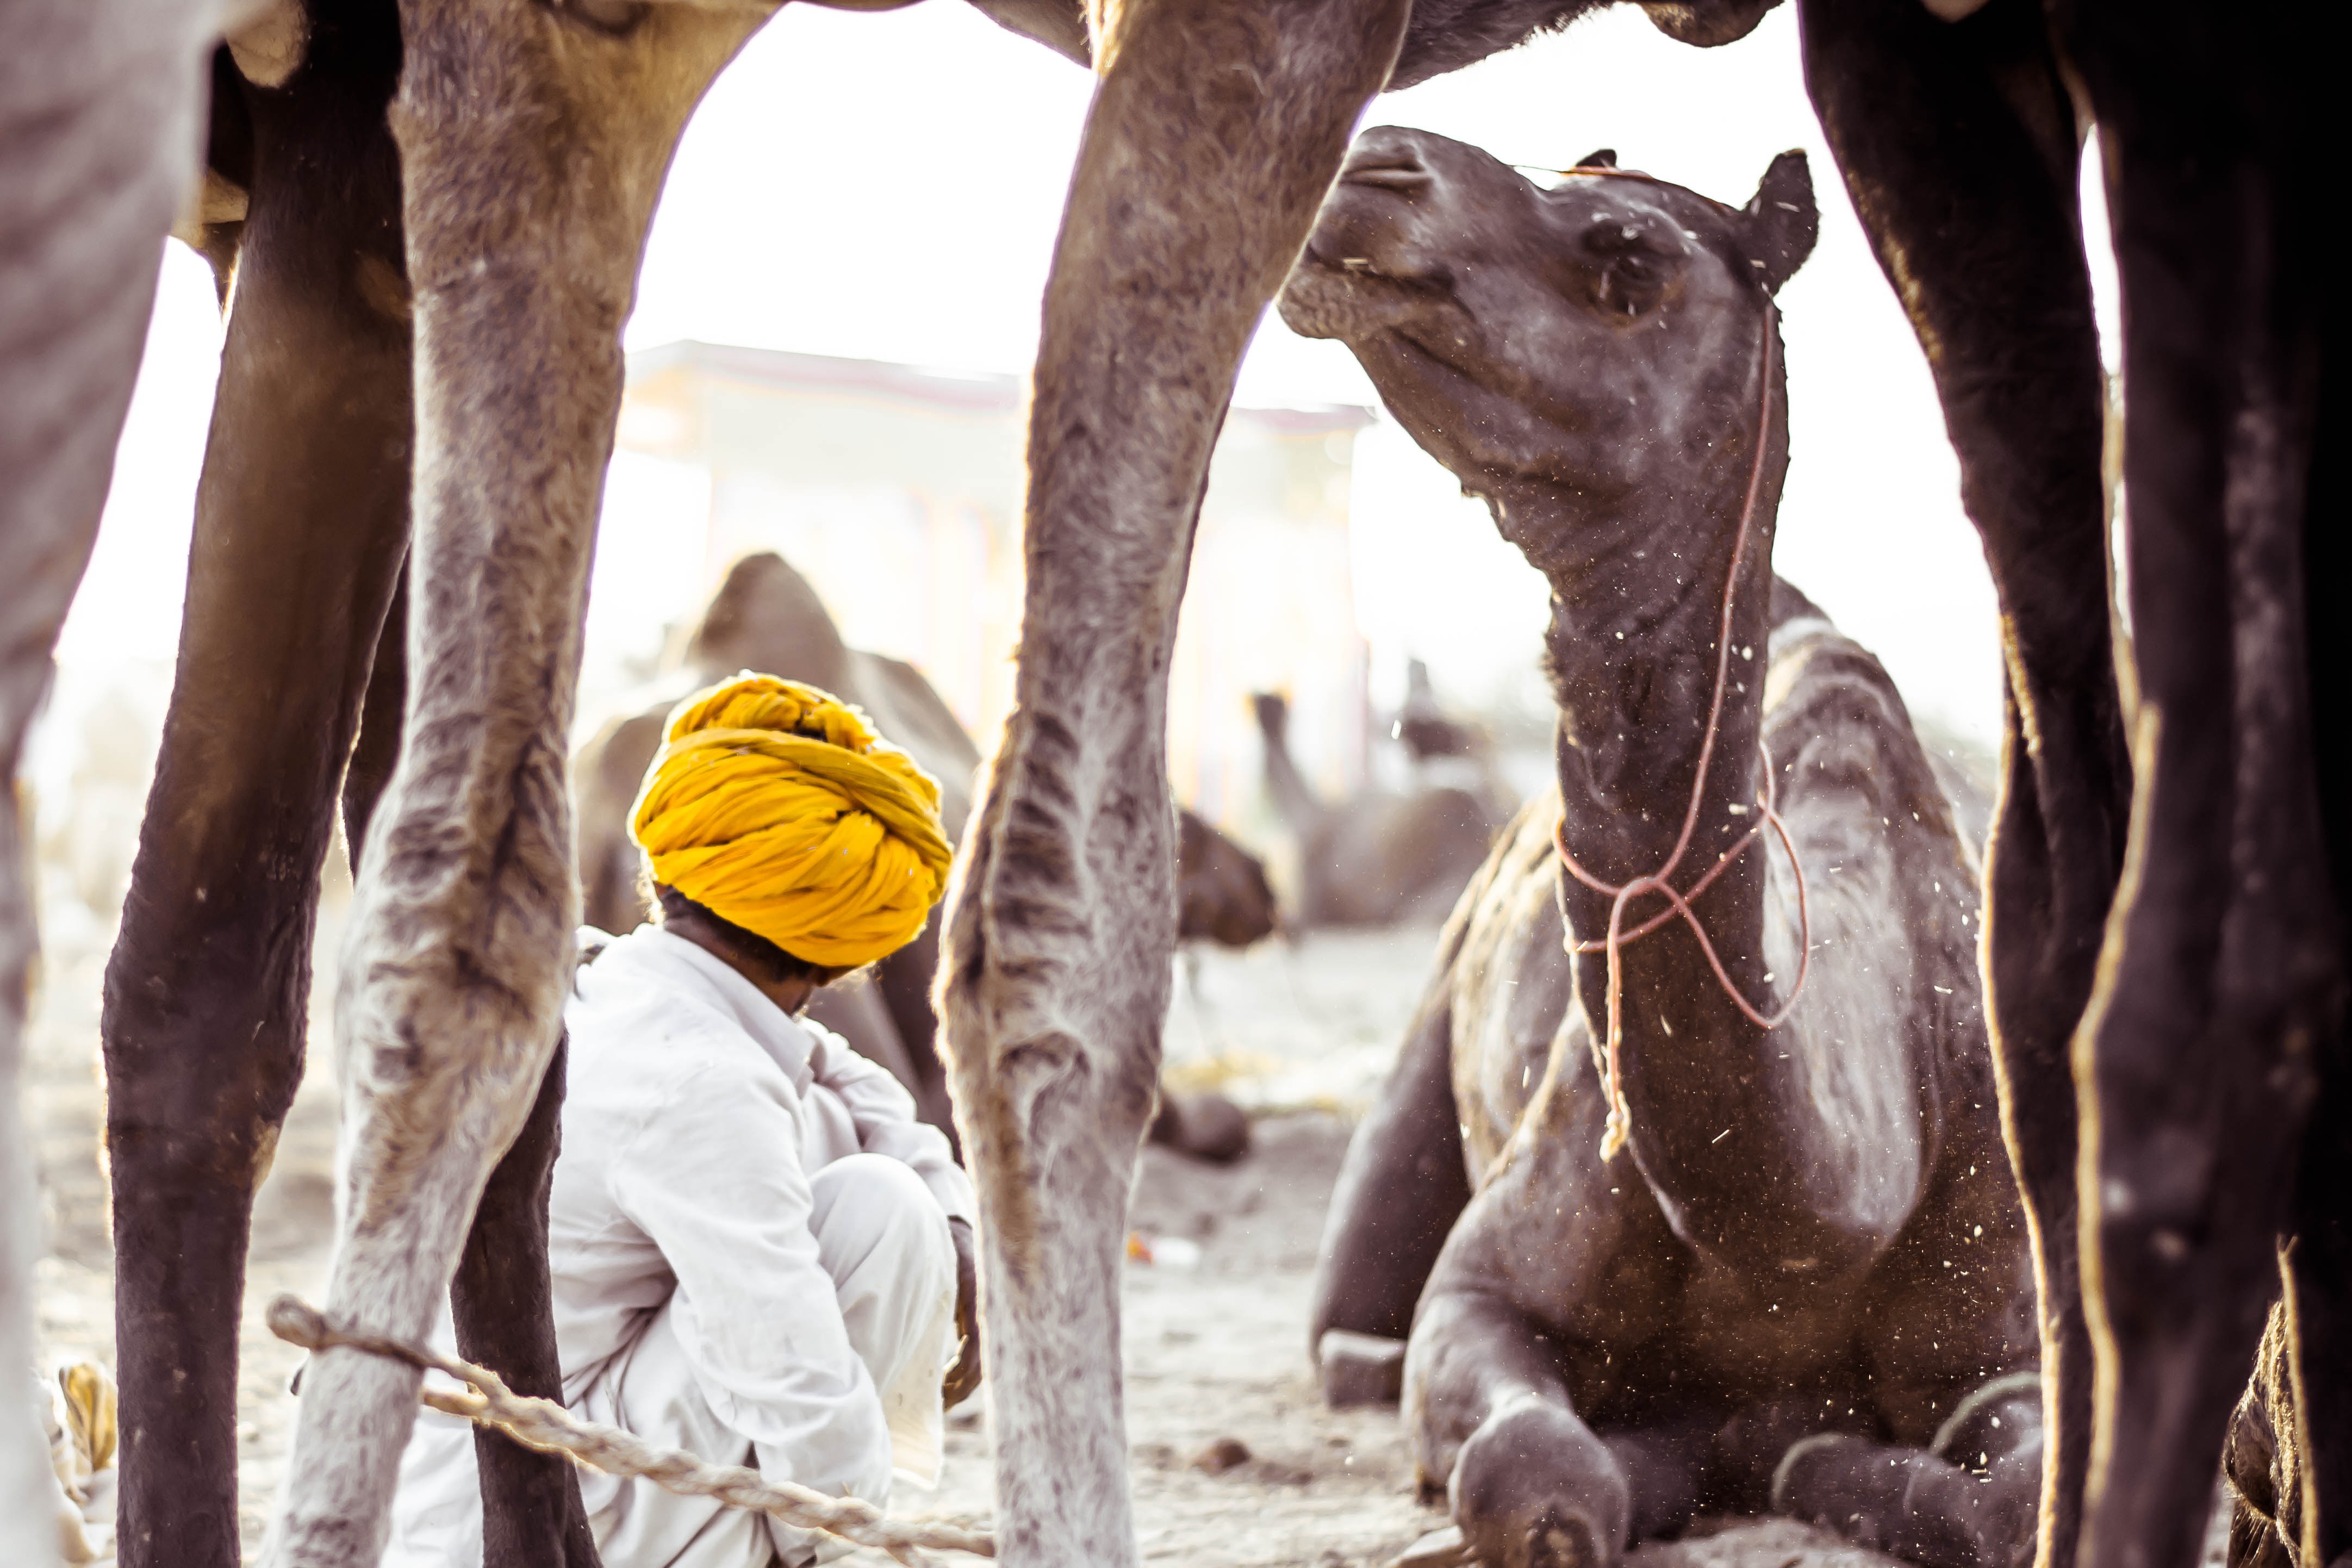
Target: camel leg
column 532, row 144
column 300, row 520
column 2222, row 988
column 502, row 1299
column 2319, row 1276
column 98, row 112
column 376, row 748
column 1529, row 1483
column 1968, row 1501
column 1402, row 1186
column 1958, row 145
column 1215, row 132
column 504, row 1305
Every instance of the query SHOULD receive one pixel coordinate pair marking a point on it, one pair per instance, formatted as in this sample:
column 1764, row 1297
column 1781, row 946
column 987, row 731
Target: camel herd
column 427, row 217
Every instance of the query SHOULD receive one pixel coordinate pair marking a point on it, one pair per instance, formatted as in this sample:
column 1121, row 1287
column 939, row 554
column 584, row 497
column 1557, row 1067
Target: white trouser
column 882, row 1238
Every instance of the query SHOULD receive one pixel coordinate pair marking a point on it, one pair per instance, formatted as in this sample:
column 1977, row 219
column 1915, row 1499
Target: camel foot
column 1206, row 1126
column 1746, row 1451
column 1359, row 1369
column 1535, row 1488
column 1438, row 1549
column 1910, row 1503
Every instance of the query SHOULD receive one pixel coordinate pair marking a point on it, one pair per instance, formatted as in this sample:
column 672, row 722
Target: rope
column 1619, row 1129
column 543, row 1425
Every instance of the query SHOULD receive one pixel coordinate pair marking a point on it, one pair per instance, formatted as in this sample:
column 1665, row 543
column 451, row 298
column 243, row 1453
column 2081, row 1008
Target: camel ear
column 1606, row 158
column 1780, row 224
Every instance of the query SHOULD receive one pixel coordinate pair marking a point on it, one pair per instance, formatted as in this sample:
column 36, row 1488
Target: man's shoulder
column 628, row 1029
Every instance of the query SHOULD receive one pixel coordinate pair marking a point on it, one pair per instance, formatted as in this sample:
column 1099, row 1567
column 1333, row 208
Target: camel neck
column 1638, row 589
column 1637, row 608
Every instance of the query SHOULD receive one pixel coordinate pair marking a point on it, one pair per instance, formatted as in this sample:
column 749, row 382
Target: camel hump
column 921, row 706
column 766, row 616
column 1789, row 604
column 1832, row 712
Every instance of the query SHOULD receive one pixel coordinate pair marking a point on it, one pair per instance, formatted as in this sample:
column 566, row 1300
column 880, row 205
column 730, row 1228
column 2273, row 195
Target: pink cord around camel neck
column 1620, row 1125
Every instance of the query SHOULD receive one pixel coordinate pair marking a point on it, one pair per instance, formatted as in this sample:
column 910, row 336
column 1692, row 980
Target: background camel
column 1773, row 1261
column 1378, row 856
column 766, row 617
column 1215, row 132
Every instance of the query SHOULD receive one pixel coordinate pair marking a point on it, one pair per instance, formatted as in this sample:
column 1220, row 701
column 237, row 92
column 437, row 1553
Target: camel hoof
column 1535, row 1488
column 1811, row 1485
column 1359, row 1369
column 1206, row 1126
column 1438, row 1549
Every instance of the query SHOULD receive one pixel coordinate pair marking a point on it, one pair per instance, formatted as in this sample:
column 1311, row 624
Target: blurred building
column 897, row 491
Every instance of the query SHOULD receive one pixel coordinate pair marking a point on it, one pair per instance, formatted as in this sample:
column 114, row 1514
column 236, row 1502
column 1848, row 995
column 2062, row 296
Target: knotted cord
column 543, row 1425
column 1619, row 1129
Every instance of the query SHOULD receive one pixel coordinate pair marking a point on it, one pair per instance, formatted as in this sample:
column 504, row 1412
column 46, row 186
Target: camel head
column 1579, row 357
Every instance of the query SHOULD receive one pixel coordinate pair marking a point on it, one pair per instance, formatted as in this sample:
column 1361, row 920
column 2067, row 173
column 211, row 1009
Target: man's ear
column 1780, row 224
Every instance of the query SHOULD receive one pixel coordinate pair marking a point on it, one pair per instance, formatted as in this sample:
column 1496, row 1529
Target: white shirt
column 695, row 1112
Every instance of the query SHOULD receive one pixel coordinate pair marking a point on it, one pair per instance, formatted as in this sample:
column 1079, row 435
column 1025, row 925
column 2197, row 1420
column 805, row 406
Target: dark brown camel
column 765, row 616
column 488, row 216
column 1379, row 856
column 1605, row 1346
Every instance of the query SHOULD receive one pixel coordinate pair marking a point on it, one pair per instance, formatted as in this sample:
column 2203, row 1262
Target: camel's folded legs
column 534, row 140
column 1403, row 1184
column 1957, row 145
column 99, row 107
column 1487, row 1409
column 1215, row 132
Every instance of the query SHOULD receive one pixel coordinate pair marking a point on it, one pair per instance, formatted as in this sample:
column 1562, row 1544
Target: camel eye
column 1630, row 284
column 1628, row 272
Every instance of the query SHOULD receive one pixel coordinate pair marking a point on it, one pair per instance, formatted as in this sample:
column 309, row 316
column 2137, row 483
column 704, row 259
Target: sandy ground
column 1217, row 1350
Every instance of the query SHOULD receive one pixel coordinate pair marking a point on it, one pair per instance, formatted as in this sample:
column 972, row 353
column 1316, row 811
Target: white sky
column 887, row 186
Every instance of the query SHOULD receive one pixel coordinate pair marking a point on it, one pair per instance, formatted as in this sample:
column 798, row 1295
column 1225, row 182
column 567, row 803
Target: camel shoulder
column 1508, row 978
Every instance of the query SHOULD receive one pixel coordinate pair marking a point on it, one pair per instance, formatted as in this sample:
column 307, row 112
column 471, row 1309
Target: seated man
column 760, row 1254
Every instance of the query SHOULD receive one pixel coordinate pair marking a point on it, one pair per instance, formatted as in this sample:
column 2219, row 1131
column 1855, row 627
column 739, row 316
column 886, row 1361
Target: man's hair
column 677, row 908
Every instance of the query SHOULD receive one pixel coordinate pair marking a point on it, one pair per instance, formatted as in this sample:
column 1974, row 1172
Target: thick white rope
column 546, row 1425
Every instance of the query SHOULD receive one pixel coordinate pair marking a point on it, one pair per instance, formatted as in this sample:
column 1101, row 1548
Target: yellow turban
column 775, row 806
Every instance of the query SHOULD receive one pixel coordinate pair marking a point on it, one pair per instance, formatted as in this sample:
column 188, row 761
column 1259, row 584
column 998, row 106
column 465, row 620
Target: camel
column 1604, row 1346
column 1379, row 856
column 765, row 616
column 1426, row 731
column 449, row 198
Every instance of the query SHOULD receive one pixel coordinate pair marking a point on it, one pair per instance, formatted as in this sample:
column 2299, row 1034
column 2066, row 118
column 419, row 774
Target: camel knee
column 1534, row 1488
column 1913, row 1503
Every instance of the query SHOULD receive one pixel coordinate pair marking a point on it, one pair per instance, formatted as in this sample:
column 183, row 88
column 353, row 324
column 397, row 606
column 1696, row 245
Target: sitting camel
column 1817, row 1239
column 1379, row 856
column 764, row 615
